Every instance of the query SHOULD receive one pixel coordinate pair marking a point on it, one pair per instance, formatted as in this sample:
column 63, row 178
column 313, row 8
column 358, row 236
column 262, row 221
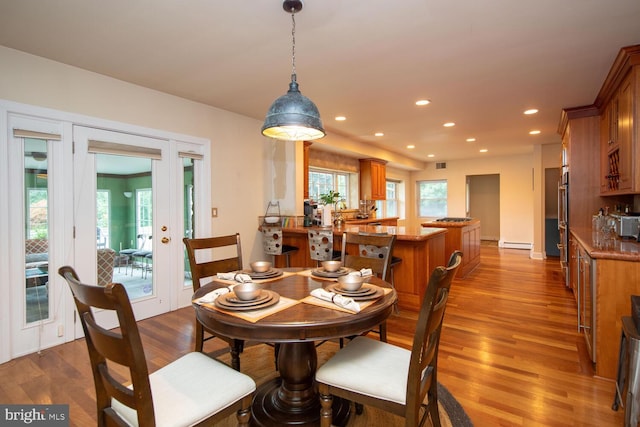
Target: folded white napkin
column 238, row 277
column 211, row 296
column 337, row 299
column 364, row 272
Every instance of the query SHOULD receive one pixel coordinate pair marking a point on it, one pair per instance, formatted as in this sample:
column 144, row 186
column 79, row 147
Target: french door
column 81, row 196
column 122, row 197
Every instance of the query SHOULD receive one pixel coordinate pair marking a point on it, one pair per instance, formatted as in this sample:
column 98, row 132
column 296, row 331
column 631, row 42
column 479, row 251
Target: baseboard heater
column 516, row 245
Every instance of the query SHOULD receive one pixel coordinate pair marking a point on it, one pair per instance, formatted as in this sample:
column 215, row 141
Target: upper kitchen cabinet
column 373, row 183
column 619, row 101
column 580, row 131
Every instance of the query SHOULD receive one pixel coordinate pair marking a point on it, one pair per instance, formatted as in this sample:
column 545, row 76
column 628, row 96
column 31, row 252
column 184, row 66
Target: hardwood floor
column 510, row 352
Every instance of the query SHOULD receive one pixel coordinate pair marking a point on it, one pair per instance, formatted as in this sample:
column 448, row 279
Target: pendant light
column 293, row 116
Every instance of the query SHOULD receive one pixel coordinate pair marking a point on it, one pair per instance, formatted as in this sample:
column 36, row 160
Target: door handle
column 165, row 240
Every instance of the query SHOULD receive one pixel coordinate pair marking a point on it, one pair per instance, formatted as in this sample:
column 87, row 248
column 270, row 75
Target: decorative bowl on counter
column 260, row 266
column 271, row 219
column 351, row 282
column 331, row 266
column 247, row 291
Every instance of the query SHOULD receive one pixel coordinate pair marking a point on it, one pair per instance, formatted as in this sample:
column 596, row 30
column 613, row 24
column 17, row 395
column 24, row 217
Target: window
column 432, row 198
column 322, row 181
column 37, row 220
column 102, row 218
column 144, row 212
column 392, row 206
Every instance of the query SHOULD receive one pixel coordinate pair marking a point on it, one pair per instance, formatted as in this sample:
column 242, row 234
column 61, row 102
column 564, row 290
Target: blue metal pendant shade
column 293, row 116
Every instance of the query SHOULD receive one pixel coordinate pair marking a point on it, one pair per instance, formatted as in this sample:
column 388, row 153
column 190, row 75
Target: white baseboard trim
column 537, row 255
column 514, row 245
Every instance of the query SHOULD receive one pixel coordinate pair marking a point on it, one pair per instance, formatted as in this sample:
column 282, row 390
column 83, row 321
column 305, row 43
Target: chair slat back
column 422, row 375
column 106, row 347
column 374, row 252
column 205, row 261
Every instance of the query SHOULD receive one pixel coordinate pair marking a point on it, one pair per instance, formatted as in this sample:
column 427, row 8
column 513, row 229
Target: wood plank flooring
column 510, row 352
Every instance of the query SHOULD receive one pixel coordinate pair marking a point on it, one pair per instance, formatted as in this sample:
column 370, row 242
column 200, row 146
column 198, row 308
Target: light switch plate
column 214, row 212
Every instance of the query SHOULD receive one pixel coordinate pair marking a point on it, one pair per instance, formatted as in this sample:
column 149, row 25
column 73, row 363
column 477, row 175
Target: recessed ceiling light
column 379, row 134
column 411, row 146
column 471, row 140
column 530, row 111
column 431, row 155
column 423, row 102
column 341, row 118
column 484, row 150
column 534, row 132
column 449, row 124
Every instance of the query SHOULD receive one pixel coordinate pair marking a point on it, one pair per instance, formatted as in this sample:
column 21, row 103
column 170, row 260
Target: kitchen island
column 421, row 250
column 463, row 235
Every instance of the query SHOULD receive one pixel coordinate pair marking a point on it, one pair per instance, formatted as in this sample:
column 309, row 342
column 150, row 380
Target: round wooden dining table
column 292, row 398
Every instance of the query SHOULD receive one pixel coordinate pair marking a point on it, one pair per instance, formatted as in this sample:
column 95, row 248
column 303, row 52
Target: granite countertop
column 613, row 248
column 450, row 224
column 353, row 221
column 402, row 233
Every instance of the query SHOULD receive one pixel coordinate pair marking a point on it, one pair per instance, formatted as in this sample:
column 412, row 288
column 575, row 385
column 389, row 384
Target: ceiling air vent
column 441, row 165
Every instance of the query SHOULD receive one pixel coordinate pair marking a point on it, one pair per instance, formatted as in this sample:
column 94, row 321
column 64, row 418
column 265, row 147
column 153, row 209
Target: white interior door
column 123, row 212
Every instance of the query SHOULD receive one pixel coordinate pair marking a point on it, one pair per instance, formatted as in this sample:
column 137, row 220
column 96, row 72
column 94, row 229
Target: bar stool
column 272, row 243
column 628, row 381
column 321, row 245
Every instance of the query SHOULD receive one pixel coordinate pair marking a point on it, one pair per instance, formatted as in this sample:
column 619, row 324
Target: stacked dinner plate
column 230, row 301
column 321, row 272
column 366, row 292
column 269, row 274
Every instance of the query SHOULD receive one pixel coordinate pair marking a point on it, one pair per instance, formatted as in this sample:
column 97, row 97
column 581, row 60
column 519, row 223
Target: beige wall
column 239, row 154
column 516, row 192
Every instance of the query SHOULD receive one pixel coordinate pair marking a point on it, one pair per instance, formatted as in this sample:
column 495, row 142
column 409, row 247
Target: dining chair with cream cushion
column 192, row 390
column 209, row 256
column 388, row 377
column 374, row 251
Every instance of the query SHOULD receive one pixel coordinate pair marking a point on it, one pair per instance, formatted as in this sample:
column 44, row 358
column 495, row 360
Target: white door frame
column 64, row 250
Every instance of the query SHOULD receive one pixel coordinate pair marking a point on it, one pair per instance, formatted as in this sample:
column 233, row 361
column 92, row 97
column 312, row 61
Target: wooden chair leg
column 383, row 331
column 236, row 349
column 199, row 337
column 244, row 414
column 326, row 400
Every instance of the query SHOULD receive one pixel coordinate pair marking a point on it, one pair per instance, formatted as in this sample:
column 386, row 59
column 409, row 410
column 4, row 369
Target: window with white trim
column 432, row 198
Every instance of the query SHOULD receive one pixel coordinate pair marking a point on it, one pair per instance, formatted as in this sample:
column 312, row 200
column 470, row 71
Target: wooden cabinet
column 464, row 237
column 373, row 180
column 580, row 129
column 603, row 281
column 619, row 126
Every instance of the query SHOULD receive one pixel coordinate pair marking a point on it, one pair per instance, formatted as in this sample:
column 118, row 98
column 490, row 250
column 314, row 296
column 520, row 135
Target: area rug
column 257, row 361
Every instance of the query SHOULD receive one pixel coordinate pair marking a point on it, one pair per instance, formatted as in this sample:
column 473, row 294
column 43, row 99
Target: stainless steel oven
column 563, row 223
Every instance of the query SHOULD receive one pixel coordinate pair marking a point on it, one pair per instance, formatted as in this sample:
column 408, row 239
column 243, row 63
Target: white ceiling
column 480, row 62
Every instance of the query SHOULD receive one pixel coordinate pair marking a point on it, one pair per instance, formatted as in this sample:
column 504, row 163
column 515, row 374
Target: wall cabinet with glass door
column 620, row 173
column 373, row 181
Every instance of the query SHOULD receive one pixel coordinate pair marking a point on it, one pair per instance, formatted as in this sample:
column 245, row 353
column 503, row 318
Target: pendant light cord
column 293, row 44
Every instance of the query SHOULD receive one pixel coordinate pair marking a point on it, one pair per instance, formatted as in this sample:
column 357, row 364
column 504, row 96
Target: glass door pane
column 124, row 218
column 189, row 209
column 36, row 226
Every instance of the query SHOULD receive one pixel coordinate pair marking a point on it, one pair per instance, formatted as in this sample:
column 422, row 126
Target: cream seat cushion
column 369, row 367
column 190, row 389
